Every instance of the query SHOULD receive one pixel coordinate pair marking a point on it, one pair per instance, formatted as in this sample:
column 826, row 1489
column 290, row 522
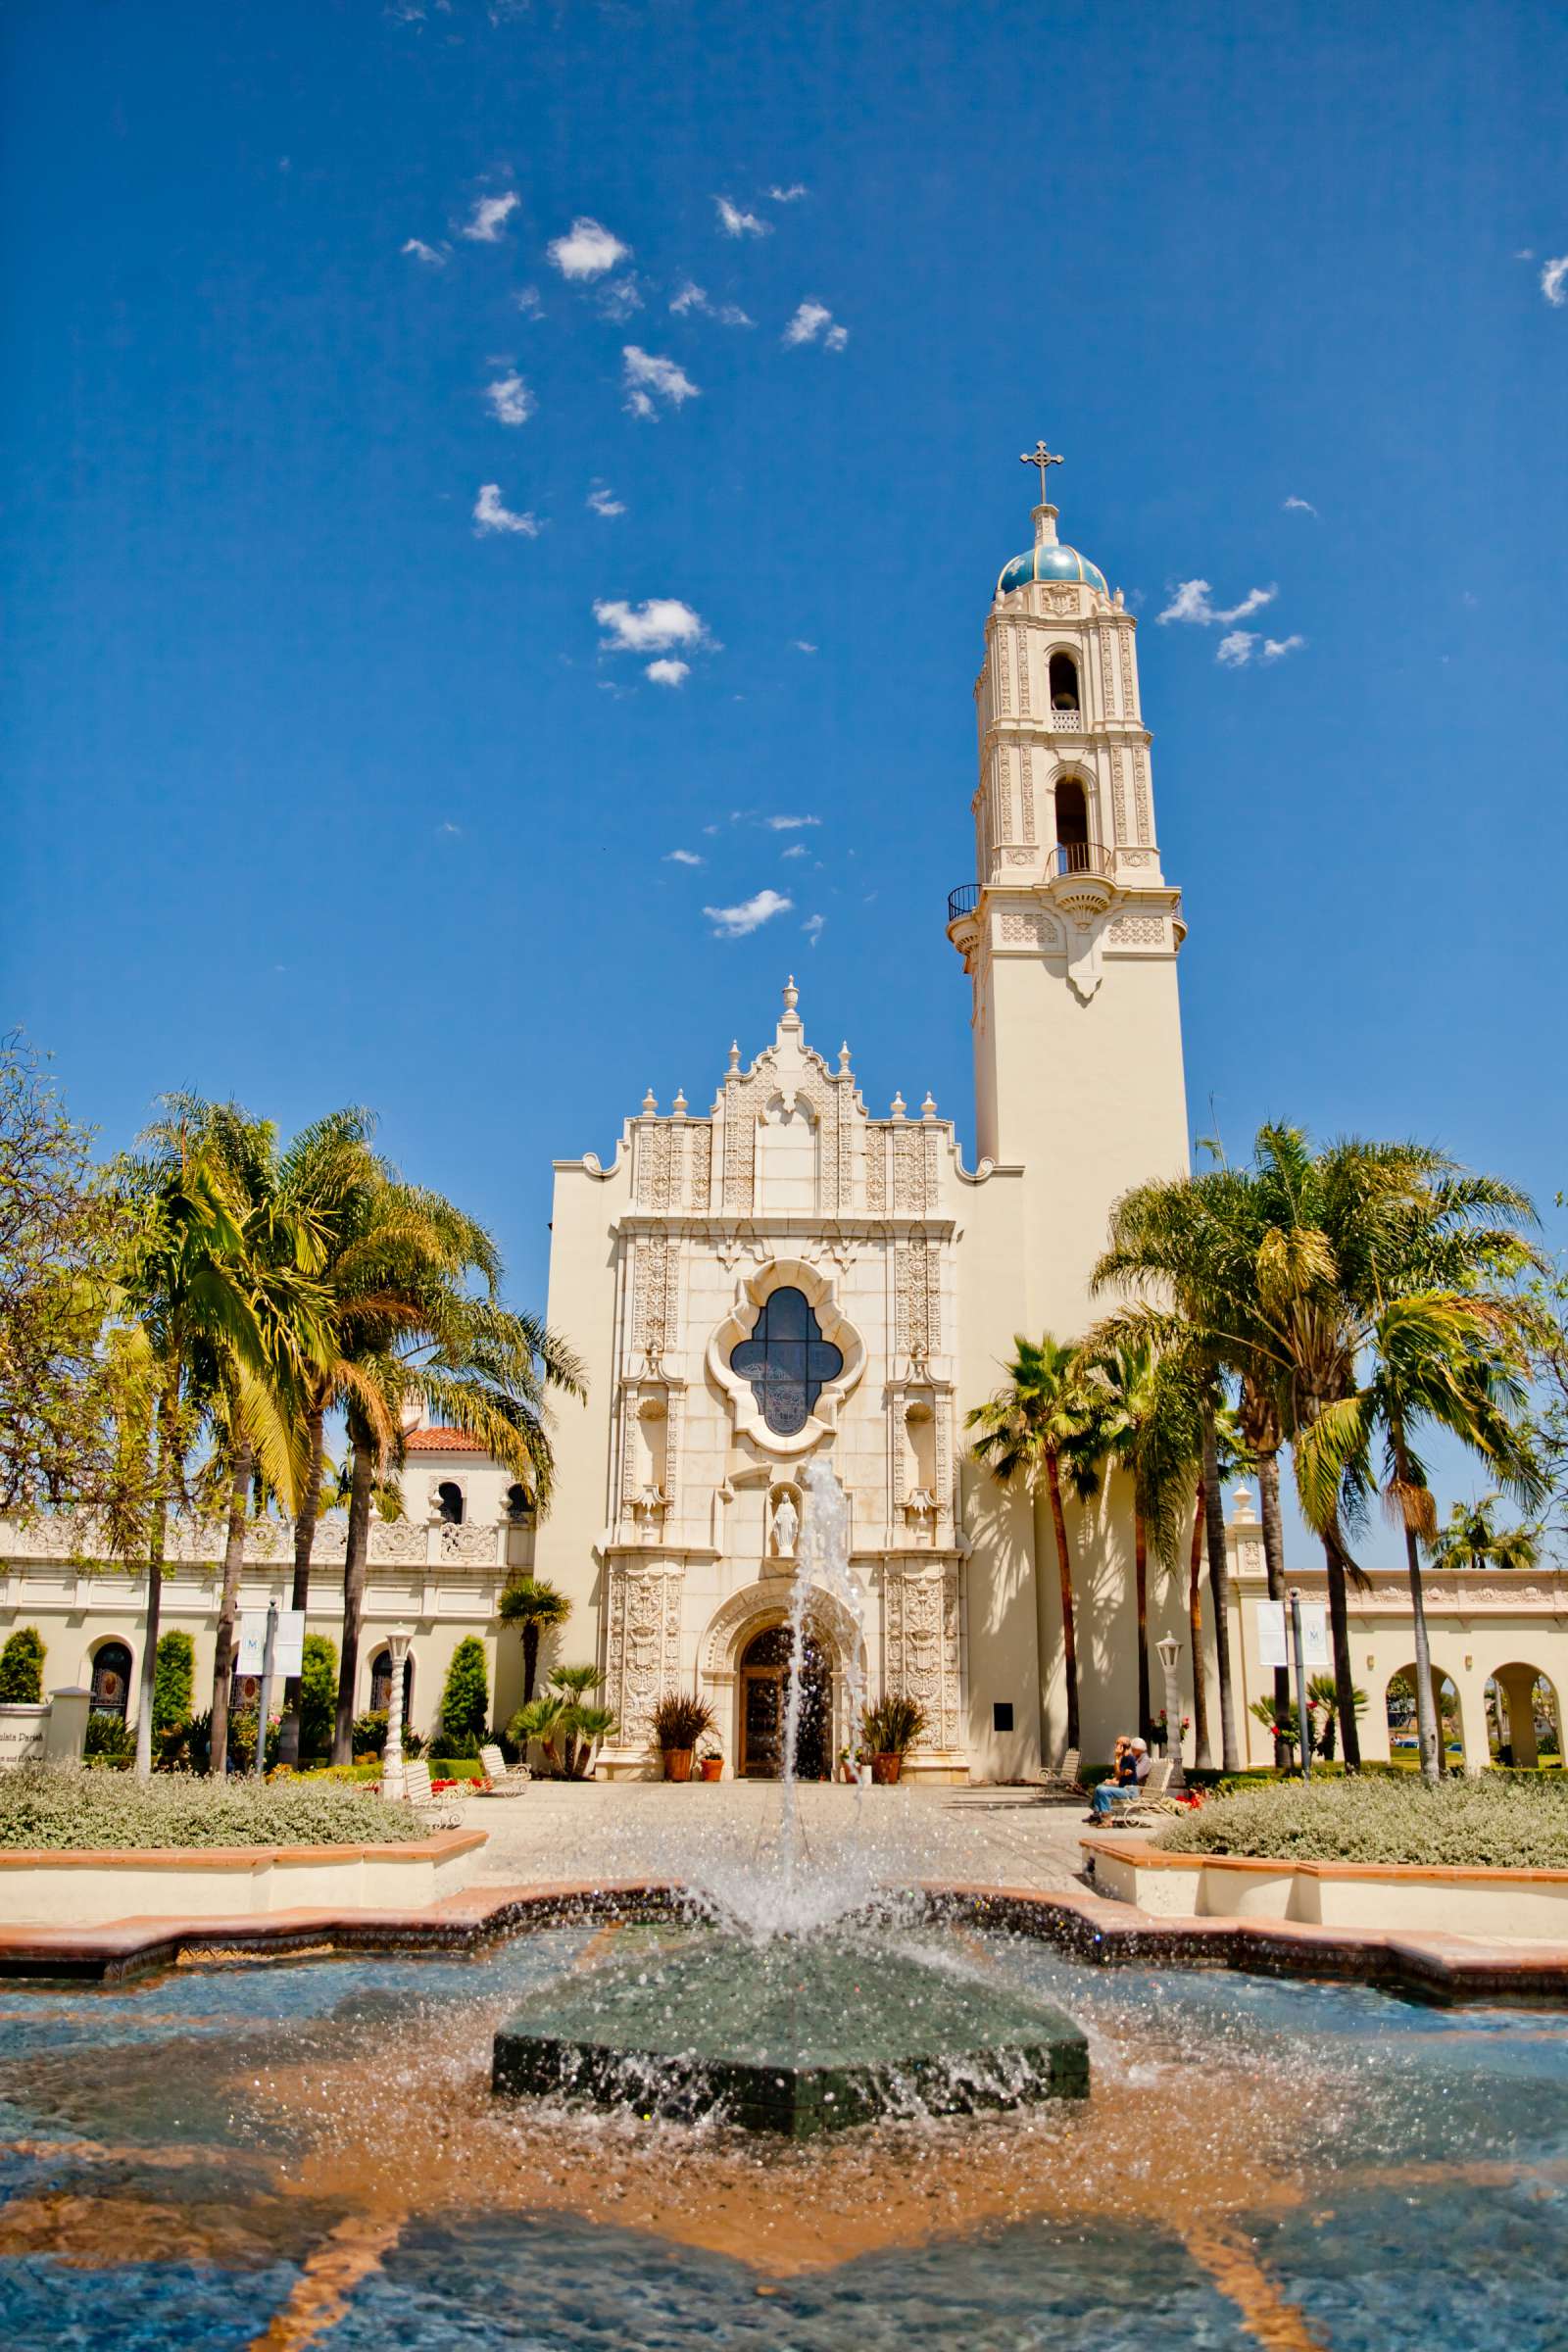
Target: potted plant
column 890, row 1730
column 680, row 1720
column 710, row 1764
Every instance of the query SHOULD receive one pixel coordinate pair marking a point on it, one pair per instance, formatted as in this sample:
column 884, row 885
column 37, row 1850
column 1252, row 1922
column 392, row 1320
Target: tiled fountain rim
column 1105, row 1934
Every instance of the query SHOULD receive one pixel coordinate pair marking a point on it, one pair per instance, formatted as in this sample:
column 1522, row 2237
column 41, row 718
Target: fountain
column 781, row 2011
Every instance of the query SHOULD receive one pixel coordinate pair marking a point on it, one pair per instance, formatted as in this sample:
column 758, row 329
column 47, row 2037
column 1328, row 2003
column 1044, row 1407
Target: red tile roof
column 443, row 1441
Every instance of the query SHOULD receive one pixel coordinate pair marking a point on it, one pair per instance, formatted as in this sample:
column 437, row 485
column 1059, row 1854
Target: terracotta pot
column 677, row 1763
column 711, row 1768
column 885, row 1770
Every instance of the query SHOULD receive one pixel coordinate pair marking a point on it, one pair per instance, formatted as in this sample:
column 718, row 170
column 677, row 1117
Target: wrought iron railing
column 962, row 900
column 1077, row 857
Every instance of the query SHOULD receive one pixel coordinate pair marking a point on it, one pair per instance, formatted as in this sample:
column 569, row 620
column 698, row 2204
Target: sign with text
column 1274, row 1635
column 288, row 1651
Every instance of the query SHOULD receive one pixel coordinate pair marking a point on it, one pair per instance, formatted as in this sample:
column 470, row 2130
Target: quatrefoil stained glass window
column 787, row 1361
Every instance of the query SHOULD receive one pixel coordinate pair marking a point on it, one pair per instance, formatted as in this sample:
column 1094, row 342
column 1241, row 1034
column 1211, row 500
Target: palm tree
column 536, row 1607
column 208, row 1310
column 1041, row 1426
column 1191, row 1242
column 1153, row 1427
column 579, row 1724
column 425, row 1329
column 1472, row 1539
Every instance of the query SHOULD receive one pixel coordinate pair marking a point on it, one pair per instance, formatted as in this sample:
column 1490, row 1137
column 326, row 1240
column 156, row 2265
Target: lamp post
column 392, row 1754
column 1170, row 1649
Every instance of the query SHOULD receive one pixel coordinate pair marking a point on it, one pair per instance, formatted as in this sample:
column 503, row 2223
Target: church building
column 788, row 1276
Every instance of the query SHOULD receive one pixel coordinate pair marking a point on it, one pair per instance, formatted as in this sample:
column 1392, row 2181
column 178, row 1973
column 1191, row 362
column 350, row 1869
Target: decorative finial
column 678, row 1108
column 928, row 1108
column 843, row 1058
column 650, row 1106
column 735, row 1053
column 898, row 1108
column 791, row 994
column 1041, row 456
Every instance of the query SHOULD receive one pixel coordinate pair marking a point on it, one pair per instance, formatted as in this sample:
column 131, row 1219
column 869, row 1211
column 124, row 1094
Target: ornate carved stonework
column 642, row 1649
column 917, row 1309
column 702, row 1160
column 1022, row 655
column 877, row 1168
column 1118, row 793
column 1107, row 674
column 1003, row 688
column 1141, row 794
column 653, row 1283
column 400, row 1542
column 1026, row 780
column 920, row 1646
column 1129, row 690
column 1139, row 931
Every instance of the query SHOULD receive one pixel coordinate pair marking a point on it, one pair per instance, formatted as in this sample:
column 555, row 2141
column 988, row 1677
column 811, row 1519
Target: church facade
column 786, row 1276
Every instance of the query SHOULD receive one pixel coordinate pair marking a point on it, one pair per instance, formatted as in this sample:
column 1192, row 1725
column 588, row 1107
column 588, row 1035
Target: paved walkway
column 707, row 1834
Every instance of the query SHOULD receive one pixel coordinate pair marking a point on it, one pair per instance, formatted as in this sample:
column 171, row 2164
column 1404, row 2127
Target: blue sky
column 322, row 791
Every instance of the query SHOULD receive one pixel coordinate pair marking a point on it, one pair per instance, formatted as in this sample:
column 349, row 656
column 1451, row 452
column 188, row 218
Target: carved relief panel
column 921, row 1649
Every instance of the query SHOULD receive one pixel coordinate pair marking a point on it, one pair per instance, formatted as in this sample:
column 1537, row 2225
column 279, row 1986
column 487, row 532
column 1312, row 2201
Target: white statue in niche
column 786, row 1527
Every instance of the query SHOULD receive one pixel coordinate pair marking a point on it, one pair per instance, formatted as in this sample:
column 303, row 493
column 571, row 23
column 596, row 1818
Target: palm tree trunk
column 1426, row 1713
column 530, row 1661
column 360, row 1480
column 157, row 1546
column 1268, row 1494
column 1340, row 1631
column 288, row 1736
column 1219, row 1583
column 1201, row 1760
column 1145, row 1717
column 1070, row 1628
column 228, row 1608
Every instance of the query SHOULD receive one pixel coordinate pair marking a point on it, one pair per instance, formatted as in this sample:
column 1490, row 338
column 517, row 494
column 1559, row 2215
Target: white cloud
column 682, row 858
column 1190, row 603
column 734, row 922
column 791, row 194
column 650, row 628
column 433, row 256
column 587, row 250
column 789, row 824
column 448, row 831
column 489, row 514
column 814, row 927
column 1526, row 253
column 1298, row 506
column 814, row 320
column 511, row 401
column 1236, row 649
column 666, row 672
column 736, row 223
column 490, row 216
column 1553, row 278
column 529, row 302
column 648, row 380
column 1276, row 648
column 621, row 297
column 604, row 502
column 804, row 645
column 797, row 848
column 691, row 297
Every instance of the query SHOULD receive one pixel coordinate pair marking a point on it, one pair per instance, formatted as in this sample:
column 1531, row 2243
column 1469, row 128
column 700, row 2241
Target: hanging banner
column 1274, row 1635
column 1272, row 1640
column 288, row 1651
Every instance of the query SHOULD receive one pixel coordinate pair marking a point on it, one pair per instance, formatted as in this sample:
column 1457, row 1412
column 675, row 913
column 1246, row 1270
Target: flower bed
column 1488, row 1823
column 48, row 1809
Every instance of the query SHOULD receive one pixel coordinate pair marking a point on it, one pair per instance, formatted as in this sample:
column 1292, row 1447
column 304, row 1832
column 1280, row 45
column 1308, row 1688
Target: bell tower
column 1069, row 932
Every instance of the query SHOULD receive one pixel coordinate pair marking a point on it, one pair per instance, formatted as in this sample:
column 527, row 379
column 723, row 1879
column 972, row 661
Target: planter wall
column 1371, row 1896
column 90, row 1888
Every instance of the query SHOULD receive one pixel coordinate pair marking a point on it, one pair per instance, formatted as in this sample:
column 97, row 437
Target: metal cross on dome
column 787, row 1361
column 1040, row 456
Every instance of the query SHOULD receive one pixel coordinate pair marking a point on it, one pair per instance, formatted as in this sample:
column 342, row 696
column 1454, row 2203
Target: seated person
column 1131, row 1770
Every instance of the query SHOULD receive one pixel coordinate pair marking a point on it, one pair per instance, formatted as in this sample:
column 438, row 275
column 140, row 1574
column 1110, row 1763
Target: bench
column 506, row 1779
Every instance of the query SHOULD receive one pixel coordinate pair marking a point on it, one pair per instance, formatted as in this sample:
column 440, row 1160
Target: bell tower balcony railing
column 1077, row 857
column 962, row 900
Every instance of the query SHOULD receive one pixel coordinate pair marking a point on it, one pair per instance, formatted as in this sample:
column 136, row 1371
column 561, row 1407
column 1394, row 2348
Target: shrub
column 317, row 1694
column 893, row 1726
column 1491, row 1821
column 173, row 1680
column 65, row 1809
column 369, row 1736
column 110, row 1740
column 22, row 1668
column 681, row 1720
column 466, row 1700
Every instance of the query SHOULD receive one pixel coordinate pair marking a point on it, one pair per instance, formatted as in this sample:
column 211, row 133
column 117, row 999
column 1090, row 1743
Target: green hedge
column 1500, row 1821
column 63, row 1809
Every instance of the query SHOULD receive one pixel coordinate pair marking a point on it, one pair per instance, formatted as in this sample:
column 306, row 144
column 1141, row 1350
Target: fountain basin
column 794, row 2037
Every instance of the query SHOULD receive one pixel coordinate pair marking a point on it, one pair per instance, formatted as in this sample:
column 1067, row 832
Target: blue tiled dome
column 1057, row 563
